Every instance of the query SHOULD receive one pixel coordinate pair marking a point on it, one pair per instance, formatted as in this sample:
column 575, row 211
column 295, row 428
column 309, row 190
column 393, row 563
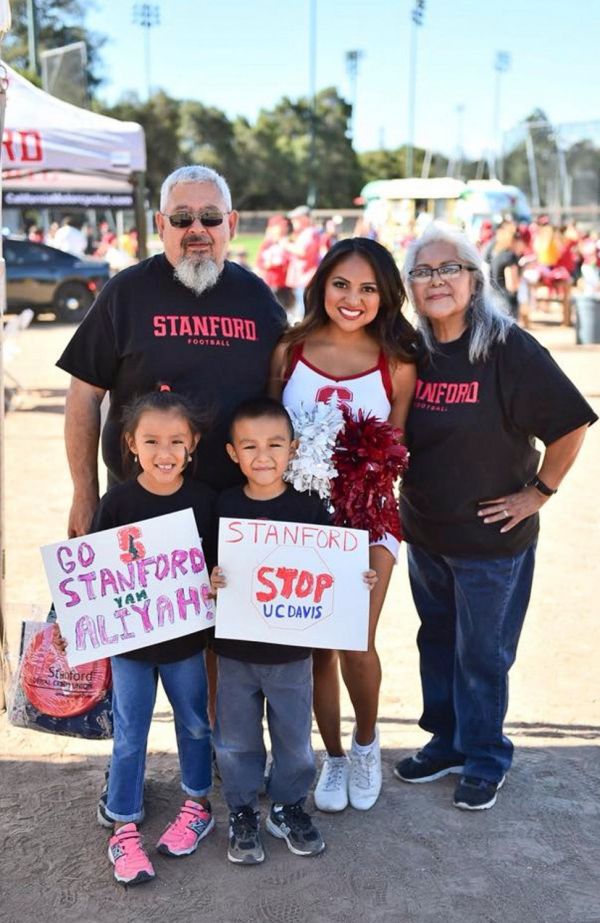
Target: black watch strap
column 539, row 485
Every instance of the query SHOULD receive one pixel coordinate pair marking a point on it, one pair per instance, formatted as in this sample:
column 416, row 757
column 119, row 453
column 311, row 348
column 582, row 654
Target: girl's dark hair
column 258, row 407
column 390, row 328
column 167, row 401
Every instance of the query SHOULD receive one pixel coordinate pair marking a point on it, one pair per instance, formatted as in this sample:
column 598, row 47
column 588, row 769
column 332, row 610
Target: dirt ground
column 413, row 858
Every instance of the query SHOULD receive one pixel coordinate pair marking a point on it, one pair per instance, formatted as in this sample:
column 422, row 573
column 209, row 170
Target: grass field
column 248, row 242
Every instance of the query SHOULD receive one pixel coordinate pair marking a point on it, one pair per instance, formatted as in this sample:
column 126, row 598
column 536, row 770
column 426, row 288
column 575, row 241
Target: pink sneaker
column 127, row 854
column 191, row 825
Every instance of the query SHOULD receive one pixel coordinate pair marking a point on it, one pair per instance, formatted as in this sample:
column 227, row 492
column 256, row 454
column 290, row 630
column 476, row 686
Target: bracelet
column 539, row 485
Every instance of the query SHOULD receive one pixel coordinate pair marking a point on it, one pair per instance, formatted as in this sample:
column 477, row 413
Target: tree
column 207, row 136
column 59, row 23
column 283, row 163
column 160, row 119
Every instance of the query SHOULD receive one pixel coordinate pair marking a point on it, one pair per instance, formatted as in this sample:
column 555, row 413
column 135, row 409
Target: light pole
column 352, row 60
column 32, row 36
column 460, row 113
column 311, row 197
column 416, row 15
column 146, row 15
column 501, row 65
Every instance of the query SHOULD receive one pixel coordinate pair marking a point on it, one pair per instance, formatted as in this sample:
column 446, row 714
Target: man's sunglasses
column 208, row 219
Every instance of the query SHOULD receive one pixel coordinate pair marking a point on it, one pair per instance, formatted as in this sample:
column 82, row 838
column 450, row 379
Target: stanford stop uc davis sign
column 289, row 595
column 293, row 583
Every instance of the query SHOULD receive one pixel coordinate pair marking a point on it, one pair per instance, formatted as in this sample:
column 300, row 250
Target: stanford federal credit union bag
column 49, row 695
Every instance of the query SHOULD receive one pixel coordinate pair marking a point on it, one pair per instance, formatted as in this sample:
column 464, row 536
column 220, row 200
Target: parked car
column 44, row 278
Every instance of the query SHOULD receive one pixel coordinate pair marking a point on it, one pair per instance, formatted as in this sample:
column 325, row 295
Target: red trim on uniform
column 384, row 368
column 295, row 356
column 338, row 378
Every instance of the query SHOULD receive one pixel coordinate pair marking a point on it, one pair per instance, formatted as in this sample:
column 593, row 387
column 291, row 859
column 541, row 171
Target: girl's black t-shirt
column 470, row 432
column 146, row 327
column 129, row 503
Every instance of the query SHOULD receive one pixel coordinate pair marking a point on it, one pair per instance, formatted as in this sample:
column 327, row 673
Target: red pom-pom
column 369, row 458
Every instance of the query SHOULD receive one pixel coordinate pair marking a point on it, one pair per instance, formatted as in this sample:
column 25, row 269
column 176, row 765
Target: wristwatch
column 539, row 485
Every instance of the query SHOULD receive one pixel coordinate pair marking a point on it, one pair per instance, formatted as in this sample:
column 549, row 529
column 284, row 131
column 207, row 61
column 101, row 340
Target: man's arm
column 82, row 432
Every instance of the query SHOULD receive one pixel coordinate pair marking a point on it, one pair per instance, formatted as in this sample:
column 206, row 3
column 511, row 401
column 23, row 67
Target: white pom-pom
column 316, row 430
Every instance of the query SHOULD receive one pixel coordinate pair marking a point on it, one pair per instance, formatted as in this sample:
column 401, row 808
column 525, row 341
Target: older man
column 188, row 318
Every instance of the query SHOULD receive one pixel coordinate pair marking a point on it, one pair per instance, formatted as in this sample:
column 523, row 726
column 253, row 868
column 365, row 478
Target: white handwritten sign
column 126, row 588
column 293, row 583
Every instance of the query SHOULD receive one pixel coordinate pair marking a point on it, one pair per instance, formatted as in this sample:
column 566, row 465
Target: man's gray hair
column 194, row 174
column 487, row 316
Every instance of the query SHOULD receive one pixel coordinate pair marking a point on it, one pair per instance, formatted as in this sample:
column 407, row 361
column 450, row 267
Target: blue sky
column 243, row 55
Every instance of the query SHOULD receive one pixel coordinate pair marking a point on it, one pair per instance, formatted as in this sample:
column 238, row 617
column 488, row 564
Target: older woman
column 470, row 504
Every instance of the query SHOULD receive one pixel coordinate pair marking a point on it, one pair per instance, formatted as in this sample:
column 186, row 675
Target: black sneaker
column 244, row 847
column 101, row 816
column 472, row 794
column 421, row 768
column 291, row 823
column 215, row 766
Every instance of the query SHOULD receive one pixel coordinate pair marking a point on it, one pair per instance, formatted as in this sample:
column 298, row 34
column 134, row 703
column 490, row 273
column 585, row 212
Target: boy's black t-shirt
column 146, row 327
column 290, row 506
column 470, row 432
column 130, row 502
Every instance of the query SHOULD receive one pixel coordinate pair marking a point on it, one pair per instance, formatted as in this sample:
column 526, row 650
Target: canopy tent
column 43, row 133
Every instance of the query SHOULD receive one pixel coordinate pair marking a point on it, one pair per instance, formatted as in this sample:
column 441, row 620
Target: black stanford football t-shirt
column 146, row 327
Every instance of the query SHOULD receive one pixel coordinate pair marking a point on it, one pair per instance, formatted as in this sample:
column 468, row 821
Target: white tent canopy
column 42, row 132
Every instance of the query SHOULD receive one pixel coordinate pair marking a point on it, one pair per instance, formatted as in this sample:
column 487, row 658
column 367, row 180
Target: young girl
column 355, row 346
column 161, row 431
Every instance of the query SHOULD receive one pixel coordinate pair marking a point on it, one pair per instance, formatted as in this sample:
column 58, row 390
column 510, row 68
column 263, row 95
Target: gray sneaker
column 291, row 823
column 244, row 847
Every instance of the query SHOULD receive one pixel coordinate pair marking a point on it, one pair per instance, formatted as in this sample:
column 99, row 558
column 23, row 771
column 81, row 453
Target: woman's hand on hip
column 512, row 508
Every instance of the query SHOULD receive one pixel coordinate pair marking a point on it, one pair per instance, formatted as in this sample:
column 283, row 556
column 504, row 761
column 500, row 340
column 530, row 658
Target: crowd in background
column 82, row 239
column 531, row 265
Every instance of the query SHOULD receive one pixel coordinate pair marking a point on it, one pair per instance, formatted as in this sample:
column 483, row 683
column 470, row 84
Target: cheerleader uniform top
column 369, row 391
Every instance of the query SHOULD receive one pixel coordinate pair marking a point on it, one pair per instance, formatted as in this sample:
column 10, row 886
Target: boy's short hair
column 260, row 407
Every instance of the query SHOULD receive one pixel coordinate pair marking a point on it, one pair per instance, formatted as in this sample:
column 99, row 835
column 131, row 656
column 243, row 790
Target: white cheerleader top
column 369, row 391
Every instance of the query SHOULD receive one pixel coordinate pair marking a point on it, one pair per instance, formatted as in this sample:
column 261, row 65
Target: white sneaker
column 365, row 779
column 331, row 793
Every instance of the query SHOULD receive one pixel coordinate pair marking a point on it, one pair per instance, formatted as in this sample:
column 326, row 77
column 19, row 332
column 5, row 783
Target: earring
column 135, row 459
column 187, row 458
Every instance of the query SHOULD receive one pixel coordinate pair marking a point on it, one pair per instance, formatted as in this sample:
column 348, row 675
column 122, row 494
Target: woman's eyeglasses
column 445, row 272
column 210, row 218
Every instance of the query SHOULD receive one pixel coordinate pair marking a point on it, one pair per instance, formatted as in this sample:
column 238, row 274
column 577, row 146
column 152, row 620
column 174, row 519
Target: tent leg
column 139, row 204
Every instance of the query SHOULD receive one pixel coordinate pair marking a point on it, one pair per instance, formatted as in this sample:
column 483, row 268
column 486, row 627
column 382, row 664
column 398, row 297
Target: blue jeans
column 471, row 612
column 242, row 691
column 134, row 694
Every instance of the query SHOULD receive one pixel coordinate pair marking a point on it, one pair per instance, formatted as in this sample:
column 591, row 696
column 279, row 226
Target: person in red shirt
column 273, row 259
column 305, row 253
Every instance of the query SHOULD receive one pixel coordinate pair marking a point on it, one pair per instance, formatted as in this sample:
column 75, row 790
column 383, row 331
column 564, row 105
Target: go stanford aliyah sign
column 293, row 583
column 129, row 587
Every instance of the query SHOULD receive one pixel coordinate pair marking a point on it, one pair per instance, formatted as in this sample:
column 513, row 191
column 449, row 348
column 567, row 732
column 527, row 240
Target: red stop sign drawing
column 55, row 688
column 293, row 589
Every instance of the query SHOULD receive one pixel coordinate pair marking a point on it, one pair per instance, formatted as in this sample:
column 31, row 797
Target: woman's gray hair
column 487, row 317
column 194, row 174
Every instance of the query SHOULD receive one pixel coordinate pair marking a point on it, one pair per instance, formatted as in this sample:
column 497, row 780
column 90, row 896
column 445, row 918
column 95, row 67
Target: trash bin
column 587, row 308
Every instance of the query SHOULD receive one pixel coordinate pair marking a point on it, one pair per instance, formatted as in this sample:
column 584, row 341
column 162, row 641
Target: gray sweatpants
column 242, row 691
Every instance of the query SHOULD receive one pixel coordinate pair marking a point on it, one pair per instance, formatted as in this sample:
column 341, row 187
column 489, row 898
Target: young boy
column 262, row 443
